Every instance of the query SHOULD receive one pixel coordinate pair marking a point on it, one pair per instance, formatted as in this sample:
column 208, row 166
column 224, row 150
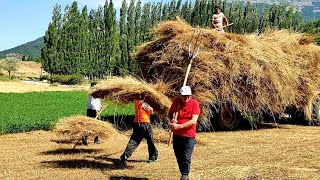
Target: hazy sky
column 22, row 21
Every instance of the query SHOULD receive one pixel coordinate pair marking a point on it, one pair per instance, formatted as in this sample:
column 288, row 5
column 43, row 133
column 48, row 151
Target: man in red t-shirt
column 184, row 128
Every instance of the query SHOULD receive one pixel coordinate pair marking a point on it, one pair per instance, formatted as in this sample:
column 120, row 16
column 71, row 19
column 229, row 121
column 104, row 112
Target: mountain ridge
column 30, row 49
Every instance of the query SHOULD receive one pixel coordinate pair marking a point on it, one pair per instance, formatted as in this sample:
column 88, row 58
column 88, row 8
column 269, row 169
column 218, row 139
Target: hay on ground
column 70, row 129
column 254, row 73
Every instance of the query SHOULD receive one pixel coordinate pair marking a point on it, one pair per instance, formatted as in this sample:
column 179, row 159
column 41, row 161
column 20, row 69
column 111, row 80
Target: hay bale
column 127, row 89
column 255, row 73
column 70, row 129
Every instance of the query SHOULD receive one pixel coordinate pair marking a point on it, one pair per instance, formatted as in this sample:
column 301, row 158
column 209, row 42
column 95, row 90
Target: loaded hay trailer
column 235, row 75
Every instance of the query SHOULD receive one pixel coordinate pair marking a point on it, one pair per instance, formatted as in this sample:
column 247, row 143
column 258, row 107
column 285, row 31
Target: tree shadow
column 126, row 178
column 111, row 164
column 71, row 151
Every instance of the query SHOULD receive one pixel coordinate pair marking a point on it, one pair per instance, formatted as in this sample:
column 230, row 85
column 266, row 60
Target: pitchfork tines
column 194, row 47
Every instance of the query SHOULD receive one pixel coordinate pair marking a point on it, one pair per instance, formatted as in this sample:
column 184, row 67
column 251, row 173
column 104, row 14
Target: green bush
column 67, row 79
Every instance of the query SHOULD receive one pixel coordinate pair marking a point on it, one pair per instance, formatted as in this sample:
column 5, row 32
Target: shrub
column 67, row 79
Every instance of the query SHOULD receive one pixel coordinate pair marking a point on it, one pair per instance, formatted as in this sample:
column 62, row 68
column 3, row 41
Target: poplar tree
column 110, row 35
column 50, row 49
column 123, row 65
column 72, row 31
column 145, row 22
column 165, row 12
column 131, row 35
column 195, row 17
column 172, row 10
column 185, row 11
column 137, row 22
column 84, row 41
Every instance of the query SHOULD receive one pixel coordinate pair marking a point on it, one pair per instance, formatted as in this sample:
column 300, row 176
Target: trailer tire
column 228, row 118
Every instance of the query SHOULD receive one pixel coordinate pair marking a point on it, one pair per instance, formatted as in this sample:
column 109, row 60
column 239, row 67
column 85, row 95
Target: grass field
column 23, row 112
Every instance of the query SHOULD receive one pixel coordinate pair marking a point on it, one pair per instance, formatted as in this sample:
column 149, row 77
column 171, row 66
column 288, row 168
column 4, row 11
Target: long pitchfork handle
column 191, row 57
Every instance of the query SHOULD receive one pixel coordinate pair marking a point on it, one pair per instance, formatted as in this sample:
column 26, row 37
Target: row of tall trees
column 95, row 44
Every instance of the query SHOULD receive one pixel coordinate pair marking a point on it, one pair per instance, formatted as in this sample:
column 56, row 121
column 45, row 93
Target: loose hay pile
column 72, row 128
column 127, row 89
column 256, row 74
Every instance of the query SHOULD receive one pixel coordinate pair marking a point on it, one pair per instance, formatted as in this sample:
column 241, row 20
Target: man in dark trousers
column 141, row 129
column 184, row 128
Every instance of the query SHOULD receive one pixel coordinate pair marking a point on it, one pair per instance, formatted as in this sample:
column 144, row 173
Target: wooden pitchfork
column 191, row 56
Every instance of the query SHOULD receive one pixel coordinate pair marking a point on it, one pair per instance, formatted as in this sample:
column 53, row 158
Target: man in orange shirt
column 141, row 129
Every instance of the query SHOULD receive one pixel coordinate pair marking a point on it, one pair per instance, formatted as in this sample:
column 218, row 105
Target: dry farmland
column 287, row 152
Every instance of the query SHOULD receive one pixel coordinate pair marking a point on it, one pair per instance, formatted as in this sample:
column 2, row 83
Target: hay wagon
column 253, row 75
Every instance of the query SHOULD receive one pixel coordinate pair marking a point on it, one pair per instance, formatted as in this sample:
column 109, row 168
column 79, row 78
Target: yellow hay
column 72, row 128
column 127, row 89
column 255, row 73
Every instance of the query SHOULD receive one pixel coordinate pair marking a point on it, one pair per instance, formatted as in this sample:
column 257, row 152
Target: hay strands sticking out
column 191, row 56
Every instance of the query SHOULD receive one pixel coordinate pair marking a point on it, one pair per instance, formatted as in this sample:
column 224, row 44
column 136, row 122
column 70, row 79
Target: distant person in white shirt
column 217, row 19
column 94, row 107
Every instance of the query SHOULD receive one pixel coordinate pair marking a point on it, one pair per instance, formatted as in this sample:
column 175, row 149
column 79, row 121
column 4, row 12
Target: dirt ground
column 29, row 71
column 287, row 152
column 18, row 86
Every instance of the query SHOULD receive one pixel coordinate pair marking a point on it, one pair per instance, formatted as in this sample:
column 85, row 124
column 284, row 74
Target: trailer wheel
column 228, row 117
column 316, row 110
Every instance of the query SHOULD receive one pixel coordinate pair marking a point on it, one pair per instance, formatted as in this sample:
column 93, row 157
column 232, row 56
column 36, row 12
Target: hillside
column 30, row 49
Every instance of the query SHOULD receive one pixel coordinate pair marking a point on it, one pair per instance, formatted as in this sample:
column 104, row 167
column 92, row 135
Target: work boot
column 184, row 177
column 96, row 140
column 123, row 159
column 153, row 159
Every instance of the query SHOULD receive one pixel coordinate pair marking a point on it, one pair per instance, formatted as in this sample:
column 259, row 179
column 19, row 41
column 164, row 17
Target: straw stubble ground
column 288, row 152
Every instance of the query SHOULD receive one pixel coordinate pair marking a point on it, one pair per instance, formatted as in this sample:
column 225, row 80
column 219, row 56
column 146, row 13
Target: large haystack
column 127, row 89
column 255, row 73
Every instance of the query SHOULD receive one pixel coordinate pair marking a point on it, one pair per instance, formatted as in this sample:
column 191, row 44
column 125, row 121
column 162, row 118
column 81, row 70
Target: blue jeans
column 183, row 148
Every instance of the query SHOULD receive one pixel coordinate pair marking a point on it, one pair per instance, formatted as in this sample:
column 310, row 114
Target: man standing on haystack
column 141, row 129
column 184, row 128
column 217, row 19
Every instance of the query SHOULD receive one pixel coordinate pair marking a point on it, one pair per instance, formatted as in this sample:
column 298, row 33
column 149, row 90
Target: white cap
column 185, row 91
